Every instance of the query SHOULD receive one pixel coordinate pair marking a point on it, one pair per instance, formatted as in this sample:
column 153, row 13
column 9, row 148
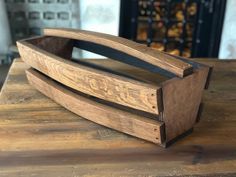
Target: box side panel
column 181, row 100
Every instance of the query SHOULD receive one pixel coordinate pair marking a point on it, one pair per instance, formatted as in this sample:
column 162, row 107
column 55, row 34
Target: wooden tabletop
column 40, row 138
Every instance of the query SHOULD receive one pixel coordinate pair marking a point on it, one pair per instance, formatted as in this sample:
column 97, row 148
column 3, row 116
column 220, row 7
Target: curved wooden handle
column 146, row 54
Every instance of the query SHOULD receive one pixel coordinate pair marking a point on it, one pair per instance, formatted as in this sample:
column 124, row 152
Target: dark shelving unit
column 189, row 28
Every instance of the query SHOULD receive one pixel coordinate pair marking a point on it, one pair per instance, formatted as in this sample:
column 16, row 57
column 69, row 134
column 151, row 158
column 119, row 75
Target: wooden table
column 40, row 138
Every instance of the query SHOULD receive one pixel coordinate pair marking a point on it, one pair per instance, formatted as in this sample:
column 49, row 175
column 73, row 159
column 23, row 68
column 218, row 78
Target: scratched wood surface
column 40, row 138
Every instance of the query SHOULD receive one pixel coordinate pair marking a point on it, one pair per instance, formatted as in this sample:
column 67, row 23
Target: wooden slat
column 123, row 121
column 104, row 85
column 144, row 53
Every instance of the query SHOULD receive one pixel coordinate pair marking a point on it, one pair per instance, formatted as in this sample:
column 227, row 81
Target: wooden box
column 158, row 109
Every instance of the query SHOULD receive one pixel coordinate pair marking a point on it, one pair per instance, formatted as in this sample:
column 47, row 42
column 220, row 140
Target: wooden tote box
column 158, row 109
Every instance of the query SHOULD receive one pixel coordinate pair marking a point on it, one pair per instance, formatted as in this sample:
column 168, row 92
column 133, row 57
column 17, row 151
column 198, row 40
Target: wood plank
column 181, row 100
column 195, row 162
column 151, row 56
column 104, row 85
column 140, row 74
column 134, row 125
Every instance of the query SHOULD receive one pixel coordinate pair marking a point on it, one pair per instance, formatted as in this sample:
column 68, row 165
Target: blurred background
column 189, row 28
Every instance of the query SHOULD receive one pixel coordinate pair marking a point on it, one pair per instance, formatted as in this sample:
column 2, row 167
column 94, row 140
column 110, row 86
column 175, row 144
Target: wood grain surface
column 181, row 101
column 40, row 138
column 140, row 51
column 108, row 116
column 59, row 46
column 104, row 85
